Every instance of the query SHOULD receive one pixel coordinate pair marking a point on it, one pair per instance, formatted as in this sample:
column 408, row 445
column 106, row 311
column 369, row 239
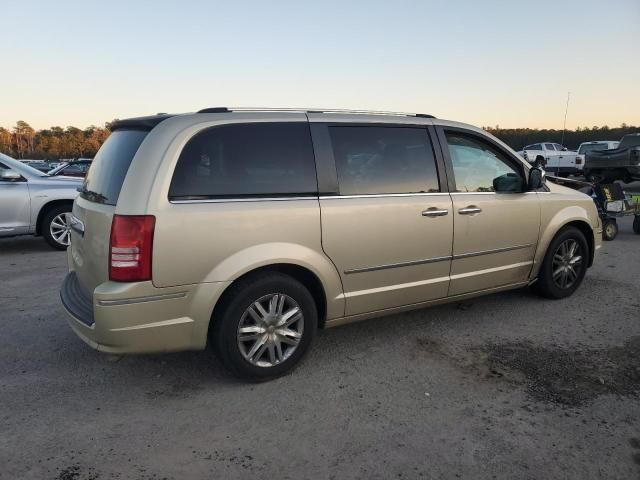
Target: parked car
column 75, row 169
column 593, row 146
column 31, row 202
column 556, row 158
column 249, row 230
column 40, row 165
column 620, row 163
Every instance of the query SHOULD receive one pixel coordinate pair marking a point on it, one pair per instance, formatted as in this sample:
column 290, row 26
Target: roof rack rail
column 214, row 110
column 312, row 110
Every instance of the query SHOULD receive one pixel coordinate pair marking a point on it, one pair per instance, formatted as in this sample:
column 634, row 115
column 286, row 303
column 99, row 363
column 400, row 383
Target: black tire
column 45, row 225
column 546, row 286
column 636, row 224
column 609, row 229
column 224, row 334
column 594, row 176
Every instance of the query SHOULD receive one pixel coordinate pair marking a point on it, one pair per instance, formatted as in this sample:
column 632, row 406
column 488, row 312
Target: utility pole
column 564, row 126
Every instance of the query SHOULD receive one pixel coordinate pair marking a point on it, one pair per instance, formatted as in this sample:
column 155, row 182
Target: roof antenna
column 564, row 127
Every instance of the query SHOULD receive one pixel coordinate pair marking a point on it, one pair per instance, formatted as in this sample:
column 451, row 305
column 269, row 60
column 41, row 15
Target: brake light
column 578, row 160
column 131, row 248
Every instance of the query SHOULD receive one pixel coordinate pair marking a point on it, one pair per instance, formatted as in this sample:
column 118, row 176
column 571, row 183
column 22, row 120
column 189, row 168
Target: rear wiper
column 91, row 195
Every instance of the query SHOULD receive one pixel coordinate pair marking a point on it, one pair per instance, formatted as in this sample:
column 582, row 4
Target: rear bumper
column 132, row 318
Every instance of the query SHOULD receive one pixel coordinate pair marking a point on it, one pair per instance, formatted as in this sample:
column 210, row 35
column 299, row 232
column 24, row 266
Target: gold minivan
column 249, row 230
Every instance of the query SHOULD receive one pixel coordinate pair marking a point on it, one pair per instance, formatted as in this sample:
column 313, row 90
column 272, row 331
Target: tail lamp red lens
column 131, row 248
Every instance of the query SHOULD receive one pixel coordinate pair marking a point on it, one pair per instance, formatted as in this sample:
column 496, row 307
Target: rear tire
column 564, row 265
column 609, row 229
column 636, row 224
column 55, row 228
column 242, row 327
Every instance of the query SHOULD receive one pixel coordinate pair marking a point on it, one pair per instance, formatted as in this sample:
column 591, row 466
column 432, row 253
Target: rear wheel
column 264, row 327
column 636, row 224
column 564, row 265
column 609, row 229
column 55, row 226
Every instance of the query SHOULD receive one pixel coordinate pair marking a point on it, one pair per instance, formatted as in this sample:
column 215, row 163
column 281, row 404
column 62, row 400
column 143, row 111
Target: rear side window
column 246, row 160
column 379, row 160
column 109, row 168
column 537, row 146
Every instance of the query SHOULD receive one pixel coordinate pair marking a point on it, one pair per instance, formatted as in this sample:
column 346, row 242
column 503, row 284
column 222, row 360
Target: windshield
column 21, row 168
column 109, row 169
column 592, row 147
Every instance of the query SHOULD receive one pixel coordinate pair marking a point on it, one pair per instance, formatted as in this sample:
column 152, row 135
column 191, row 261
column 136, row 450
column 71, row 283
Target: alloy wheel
column 270, row 330
column 60, row 229
column 567, row 263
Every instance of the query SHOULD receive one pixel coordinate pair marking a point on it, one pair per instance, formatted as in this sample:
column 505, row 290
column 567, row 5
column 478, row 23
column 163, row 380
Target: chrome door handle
column 470, row 210
column 434, row 212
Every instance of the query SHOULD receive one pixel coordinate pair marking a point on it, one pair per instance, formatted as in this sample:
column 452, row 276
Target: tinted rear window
column 109, row 168
column 246, row 160
column 379, row 160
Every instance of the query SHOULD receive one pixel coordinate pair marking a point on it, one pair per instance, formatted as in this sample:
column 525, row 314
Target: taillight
column 578, row 160
column 131, row 248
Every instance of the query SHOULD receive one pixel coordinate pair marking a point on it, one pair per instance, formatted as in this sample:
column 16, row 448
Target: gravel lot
column 506, row 386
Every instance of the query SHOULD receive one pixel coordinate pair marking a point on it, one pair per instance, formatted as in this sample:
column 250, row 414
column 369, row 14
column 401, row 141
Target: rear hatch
column 95, row 206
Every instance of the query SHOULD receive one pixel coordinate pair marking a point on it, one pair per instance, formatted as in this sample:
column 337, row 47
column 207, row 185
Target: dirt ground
column 505, row 386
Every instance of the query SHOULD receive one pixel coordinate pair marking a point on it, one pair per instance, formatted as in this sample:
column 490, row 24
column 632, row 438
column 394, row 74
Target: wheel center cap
column 271, row 329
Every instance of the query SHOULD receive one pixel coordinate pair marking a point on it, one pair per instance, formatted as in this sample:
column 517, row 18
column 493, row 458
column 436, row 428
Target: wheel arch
column 302, row 274
column 46, row 208
column 555, row 227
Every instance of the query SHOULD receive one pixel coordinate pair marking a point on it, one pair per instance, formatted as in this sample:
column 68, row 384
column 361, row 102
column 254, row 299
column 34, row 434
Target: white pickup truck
column 555, row 158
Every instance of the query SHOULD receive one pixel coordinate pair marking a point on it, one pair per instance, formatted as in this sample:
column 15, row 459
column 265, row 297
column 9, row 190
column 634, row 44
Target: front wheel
column 265, row 325
column 564, row 265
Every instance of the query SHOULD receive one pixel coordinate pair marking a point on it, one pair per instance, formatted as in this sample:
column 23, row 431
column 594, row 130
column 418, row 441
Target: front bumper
column 131, row 318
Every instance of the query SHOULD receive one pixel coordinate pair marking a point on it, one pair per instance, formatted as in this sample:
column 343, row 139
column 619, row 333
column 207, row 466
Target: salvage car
column 78, row 168
column 32, row 203
column 620, row 163
column 595, row 145
column 249, row 230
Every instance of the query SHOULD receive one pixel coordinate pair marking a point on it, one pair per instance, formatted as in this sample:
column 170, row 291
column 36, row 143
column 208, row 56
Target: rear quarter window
column 246, row 160
column 110, row 166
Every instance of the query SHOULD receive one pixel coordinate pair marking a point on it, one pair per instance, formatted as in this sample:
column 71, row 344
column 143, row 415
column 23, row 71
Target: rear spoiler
column 140, row 123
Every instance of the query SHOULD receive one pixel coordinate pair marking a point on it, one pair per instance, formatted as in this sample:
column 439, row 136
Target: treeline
column 517, row 138
column 54, row 143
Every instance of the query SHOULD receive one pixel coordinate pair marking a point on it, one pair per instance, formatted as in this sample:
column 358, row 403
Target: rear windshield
column 106, row 175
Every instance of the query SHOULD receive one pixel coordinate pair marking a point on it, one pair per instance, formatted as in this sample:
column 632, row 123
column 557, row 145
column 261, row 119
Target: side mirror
column 508, row 183
column 10, row 176
column 536, row 179
column 564, row 149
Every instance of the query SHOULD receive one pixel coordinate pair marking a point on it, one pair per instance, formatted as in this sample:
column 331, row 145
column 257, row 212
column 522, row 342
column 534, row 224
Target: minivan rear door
column 94, row 208
column 386, row 223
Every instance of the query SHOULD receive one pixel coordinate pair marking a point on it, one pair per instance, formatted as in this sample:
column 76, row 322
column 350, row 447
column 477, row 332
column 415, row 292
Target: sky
column 506, row 63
